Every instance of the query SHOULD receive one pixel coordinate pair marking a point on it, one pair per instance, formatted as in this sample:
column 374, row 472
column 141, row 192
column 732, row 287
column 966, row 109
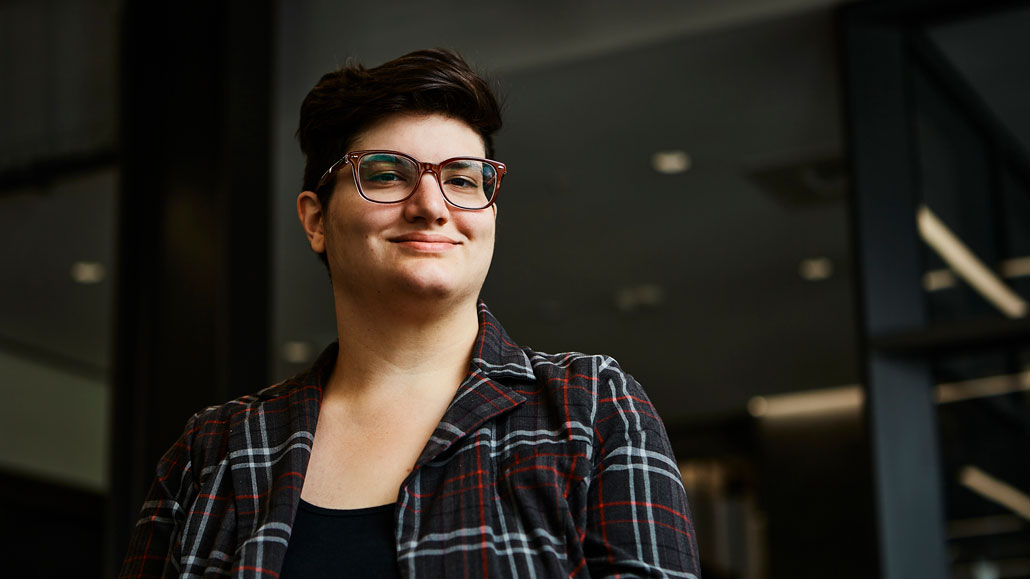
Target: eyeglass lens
column 467, row 183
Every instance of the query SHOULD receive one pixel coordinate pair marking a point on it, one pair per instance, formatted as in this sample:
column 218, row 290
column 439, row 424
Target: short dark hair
column 349, row 100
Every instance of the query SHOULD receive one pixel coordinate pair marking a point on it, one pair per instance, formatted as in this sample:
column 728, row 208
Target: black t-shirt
column 332, row 543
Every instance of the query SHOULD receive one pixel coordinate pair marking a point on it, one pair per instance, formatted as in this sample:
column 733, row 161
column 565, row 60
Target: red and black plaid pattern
column 543, row 466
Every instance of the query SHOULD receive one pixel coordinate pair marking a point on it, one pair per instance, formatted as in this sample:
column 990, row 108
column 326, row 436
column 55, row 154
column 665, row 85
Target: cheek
column 480, row 227
column 484, row 239
column 350, row 224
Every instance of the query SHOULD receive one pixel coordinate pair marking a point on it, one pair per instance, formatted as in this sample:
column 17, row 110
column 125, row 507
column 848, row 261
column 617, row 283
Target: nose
column 426, row 201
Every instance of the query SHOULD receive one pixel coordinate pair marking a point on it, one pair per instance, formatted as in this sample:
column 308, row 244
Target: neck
column 390, row 352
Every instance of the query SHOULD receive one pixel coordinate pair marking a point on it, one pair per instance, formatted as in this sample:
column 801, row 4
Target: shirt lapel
column 483, row 394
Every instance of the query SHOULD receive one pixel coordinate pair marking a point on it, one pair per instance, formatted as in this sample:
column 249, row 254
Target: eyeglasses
column 391, row 177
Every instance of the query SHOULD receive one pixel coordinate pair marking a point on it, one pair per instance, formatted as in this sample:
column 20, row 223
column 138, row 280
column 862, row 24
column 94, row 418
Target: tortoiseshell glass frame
column 354, row 157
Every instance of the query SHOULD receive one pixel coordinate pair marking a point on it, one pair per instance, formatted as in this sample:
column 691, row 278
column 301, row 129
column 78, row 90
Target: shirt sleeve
column 638, row 521
column 157, row 534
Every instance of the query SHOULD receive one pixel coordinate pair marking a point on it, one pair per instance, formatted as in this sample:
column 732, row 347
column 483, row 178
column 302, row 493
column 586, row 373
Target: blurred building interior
column 803, row 225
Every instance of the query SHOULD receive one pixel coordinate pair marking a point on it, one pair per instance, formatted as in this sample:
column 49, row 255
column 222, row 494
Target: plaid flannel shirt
column 542, row 466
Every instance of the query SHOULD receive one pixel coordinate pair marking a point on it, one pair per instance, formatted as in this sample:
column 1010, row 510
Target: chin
column 437, row 284
column 439, row 289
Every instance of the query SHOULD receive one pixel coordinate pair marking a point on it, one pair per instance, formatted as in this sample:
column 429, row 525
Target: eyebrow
column 383, row 157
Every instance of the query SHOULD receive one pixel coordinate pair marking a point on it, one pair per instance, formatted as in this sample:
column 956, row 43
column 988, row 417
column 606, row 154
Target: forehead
column 430, row 137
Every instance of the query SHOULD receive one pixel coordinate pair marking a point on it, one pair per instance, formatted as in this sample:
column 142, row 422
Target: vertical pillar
column 192, row 306
column 901, row 412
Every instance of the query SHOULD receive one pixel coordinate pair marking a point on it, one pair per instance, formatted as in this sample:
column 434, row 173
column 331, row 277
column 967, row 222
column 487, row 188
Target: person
column 424, row 442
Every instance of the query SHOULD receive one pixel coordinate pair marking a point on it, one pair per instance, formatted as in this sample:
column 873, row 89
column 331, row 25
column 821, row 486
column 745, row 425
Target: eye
column 462, row 182
column 383, row 176
column 385, row 171
column 463, row 174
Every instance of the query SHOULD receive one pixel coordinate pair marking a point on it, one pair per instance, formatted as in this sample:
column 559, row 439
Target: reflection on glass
column 984, row 421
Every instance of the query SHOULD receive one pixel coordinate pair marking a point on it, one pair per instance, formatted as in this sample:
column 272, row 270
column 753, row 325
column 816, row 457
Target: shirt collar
column 495, row 354
column 483, row 395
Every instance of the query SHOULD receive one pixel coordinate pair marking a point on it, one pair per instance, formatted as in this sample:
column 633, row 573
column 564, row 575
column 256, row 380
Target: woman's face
column 421, row 246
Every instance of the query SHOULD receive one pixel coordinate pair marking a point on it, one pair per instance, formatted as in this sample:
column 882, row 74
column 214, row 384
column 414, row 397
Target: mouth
column 425, row 242
column 424, row 238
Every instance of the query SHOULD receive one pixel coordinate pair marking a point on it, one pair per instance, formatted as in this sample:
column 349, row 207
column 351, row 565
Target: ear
column 309, row 210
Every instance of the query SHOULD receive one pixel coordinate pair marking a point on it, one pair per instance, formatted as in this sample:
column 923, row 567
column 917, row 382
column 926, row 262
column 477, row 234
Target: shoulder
column 208, row 431
column 580, row 368
column 273, row 412
column 596, row 379
column 593, row 390
column 222, row 415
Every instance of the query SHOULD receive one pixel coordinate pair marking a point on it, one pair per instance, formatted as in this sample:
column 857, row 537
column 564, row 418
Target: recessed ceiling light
column 642, row 296
column 298, row 352
column 815, row 268
column 88, row 272
column 671, row 162
column 938, row 279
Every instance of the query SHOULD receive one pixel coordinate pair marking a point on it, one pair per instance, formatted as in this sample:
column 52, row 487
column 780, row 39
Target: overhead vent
column 805, row 184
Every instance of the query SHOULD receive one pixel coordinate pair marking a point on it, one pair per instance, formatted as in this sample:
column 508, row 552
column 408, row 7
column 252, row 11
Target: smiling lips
column 426, row 242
